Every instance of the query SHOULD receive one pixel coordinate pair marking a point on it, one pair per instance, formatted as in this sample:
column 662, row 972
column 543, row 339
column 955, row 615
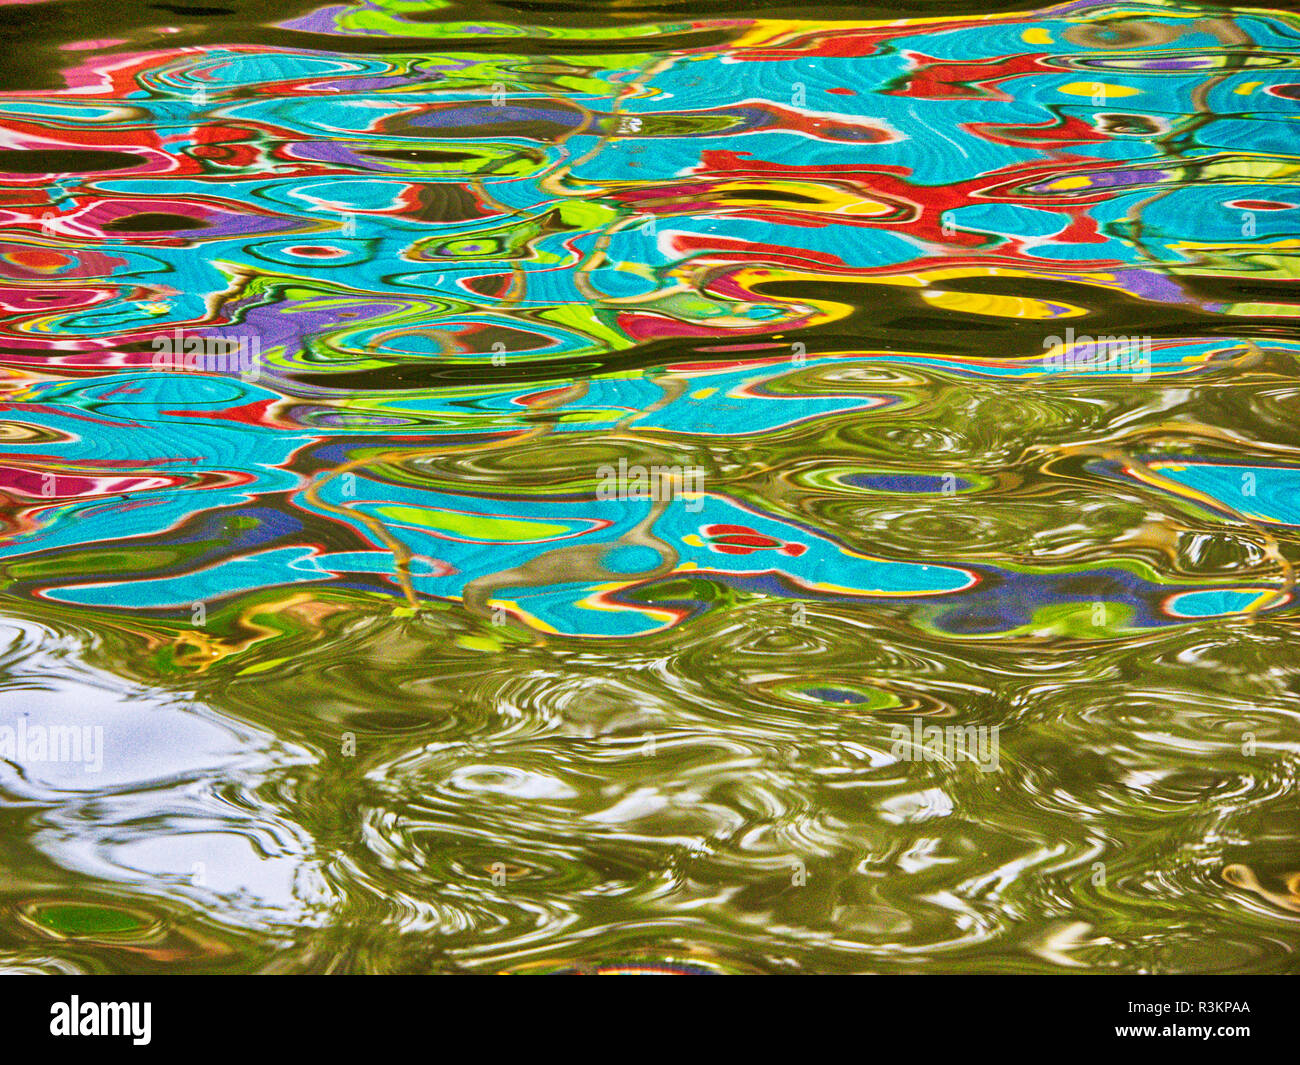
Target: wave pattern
column 501, row 487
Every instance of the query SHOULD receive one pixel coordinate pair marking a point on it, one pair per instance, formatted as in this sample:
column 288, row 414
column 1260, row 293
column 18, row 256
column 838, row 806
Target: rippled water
column 370, row 668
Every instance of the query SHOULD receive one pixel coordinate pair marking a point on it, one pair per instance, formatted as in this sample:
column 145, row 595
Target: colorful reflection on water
column 489, row 485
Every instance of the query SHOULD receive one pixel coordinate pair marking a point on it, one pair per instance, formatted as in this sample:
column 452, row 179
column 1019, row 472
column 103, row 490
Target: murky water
column 525, row 487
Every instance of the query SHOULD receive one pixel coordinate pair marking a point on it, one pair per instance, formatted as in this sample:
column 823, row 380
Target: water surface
column 373, row 674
